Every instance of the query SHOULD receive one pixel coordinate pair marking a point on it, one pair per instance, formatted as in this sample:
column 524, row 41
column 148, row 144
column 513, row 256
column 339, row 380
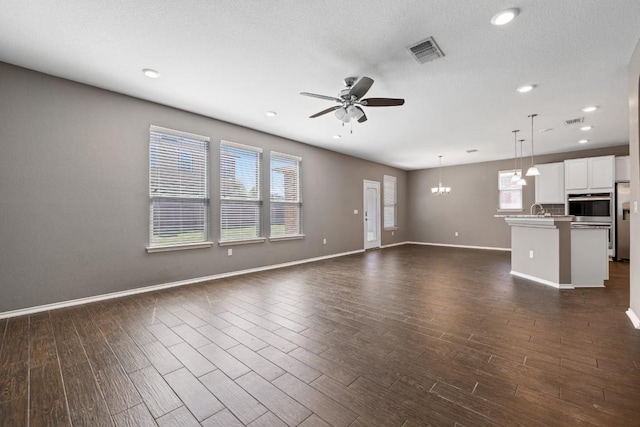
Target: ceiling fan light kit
column 351, row 102
column 440, row 189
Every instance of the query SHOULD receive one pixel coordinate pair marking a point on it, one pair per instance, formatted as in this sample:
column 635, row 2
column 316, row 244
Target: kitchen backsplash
column 554, row 209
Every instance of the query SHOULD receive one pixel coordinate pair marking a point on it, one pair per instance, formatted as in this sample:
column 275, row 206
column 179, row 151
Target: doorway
column 371, row 214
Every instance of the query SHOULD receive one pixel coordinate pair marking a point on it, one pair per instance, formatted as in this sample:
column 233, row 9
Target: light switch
column 355, row 211
column 229, row 252
column 635, row 207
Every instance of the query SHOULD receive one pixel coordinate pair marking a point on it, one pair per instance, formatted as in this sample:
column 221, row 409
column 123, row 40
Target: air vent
column 473, row 150
column 425, row 51
column 577, row 121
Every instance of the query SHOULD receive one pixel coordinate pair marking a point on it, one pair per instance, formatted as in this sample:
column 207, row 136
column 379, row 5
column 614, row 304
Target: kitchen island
column 546, row 249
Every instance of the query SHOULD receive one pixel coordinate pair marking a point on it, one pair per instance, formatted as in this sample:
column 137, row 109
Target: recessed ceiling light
column 271, row 113
column 590, row 109
column 526, row 88
column 337, row 136
column 152, row 74
column 586, row 128
column 583, row 141
column 505, row 16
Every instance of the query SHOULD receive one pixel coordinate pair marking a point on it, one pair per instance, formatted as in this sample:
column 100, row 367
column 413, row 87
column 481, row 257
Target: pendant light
column 533, row 171
column 440, row 190
column 516, row 176
column 521, row 181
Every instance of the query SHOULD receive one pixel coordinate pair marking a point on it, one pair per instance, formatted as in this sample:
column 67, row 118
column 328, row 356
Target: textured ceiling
column 234, row 60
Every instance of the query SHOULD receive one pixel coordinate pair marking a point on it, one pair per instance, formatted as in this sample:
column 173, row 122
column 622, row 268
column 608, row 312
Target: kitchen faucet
column 541, row 212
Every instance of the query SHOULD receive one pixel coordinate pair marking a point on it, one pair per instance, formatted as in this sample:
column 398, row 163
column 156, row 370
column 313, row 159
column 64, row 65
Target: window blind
column 240, row 201
column 178, row 187
column 286, row 202
column 390, row 202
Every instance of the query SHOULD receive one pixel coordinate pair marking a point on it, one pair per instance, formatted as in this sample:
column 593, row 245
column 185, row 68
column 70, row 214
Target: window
column 510, row 193
column 286, row 205
column 179, row 195
column 390, row 202
column 240, row 202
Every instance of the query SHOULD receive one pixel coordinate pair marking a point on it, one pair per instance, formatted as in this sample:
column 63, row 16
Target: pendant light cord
column 515, row 151
column 532, row 116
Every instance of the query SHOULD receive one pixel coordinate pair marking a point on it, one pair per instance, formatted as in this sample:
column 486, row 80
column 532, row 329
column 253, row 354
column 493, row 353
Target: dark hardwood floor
column 405, row 336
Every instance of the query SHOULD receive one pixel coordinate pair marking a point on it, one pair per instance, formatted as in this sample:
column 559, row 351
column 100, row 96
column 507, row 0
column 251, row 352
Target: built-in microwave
column 596, row 207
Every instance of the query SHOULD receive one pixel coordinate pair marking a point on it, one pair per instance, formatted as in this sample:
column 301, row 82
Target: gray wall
column 634, row 148
column 470, row 207
column 74, row 202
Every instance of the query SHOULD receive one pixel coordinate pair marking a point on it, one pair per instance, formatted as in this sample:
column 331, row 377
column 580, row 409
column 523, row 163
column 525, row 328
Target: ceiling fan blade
column 328, row 110
column 364, row 116
column 315, row 95
column 361, row 87
column 382, row 102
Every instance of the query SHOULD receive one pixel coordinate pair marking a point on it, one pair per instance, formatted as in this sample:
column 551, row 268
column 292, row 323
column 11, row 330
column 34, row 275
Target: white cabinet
column 589, row 174
column 601, row 172
column 576, row 174
column 550, row 184
column 623, row 171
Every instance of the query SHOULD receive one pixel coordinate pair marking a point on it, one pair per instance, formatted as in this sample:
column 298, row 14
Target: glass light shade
column 533, row 171
column 342, row 114
column 354, row 113
column 522, row 182
column 515, row 177
column 439, row 190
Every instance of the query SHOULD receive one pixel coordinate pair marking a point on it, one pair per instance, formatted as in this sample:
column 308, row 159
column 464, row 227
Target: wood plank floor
column 405, row 336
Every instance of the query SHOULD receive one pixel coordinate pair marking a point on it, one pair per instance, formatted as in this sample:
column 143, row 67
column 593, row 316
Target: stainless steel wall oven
column 597, row 207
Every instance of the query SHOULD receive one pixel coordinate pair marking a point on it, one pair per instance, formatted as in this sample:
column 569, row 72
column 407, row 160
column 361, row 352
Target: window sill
column 182, row 247
column 241, row 241
column 509, row 210
column 281, row 238
column 391, row 228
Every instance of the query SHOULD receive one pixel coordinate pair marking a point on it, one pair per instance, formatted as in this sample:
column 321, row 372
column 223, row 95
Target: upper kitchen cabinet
column 623, row 171
column 602, row 172
column 589, row 174
column 550, row 184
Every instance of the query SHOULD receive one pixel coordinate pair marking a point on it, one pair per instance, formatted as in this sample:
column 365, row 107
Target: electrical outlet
column 393, row 233
column 355, row 211
column 456, row 234
column 229, row 252
column 531, row 254
column 324, row 241
column 635, row 206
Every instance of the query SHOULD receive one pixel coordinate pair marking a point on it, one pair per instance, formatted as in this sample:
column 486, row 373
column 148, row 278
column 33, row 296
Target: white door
column 371, row 214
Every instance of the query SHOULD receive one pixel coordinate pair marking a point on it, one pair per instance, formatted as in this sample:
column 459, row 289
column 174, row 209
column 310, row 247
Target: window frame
column 509, row 188
column 185, row 195
column 298, row 202
column 227, row 201
column 393, row 205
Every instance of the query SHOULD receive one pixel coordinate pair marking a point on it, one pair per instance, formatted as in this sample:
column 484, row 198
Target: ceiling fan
column 350, row 100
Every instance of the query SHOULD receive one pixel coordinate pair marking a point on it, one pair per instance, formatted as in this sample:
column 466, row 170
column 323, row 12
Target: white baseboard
column 96, row 298
column 489, row 248
column 393, row 244
column 634, row 318
column 543, row 281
